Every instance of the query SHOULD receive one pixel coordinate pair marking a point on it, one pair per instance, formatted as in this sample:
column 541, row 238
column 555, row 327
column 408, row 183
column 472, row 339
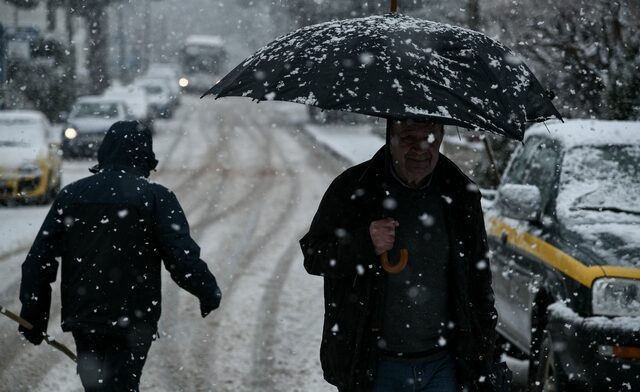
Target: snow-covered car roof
column 24, row 115
column 153, row 81
column 163, row 69
column 135, row 98
column 204, row 40
column 99, row 99
column 573, row 133
column 29, row 127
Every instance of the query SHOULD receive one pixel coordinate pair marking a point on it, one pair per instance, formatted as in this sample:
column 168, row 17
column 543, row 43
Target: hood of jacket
column 128, row 146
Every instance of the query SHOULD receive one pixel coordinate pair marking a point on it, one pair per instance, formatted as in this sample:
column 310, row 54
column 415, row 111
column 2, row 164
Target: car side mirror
column 522, row 202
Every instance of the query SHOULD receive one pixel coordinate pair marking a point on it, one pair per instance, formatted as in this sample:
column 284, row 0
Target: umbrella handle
column 397, row 267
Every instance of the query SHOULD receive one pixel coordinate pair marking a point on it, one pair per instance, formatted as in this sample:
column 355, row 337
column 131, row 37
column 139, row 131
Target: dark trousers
column 111, row 362
column 436, row 373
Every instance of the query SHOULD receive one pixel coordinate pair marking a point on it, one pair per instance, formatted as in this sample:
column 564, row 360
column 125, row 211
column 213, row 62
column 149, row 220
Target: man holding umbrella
column 111, row 231
column 426, row 322
column 429, row 325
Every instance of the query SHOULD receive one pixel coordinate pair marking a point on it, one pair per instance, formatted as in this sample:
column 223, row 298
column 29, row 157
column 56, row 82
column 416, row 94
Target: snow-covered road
column 250, row 182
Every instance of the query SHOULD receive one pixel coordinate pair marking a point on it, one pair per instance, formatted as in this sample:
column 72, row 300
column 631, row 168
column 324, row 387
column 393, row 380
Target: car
column 30, row 166
column 88, row 121
column 564, row 234
column 170, row 74
column 159, row 96
column 136, row 99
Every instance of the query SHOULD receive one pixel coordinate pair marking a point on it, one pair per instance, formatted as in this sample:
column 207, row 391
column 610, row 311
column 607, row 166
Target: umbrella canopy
column 395, row 66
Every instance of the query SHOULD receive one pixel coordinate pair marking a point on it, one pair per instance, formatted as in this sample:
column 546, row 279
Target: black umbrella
column 396, row 66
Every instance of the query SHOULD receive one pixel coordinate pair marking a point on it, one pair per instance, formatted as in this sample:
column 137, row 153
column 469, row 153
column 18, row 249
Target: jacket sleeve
column 333, row 248
column 481, row 292
column 181, row 254
column 39, row 270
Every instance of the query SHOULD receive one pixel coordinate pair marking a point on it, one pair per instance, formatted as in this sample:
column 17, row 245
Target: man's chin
column 417, row 177
column 418, row 173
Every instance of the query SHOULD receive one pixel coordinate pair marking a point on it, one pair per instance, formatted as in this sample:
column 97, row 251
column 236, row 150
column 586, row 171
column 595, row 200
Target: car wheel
column 545, row 371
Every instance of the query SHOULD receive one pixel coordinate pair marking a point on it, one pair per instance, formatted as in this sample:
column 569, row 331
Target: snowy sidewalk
column 352, row 143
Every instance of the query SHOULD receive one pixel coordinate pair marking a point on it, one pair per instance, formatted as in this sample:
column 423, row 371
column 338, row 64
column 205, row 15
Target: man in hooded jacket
column 111, row 231
column 429, row 326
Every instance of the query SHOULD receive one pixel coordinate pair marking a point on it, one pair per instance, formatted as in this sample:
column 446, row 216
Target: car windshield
column 96, row 109
column 600, row 183
column 20, row 132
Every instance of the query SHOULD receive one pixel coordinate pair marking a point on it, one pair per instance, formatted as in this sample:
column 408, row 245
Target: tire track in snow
column 184, row 371
column 285, row 205
column 250, row 218
column 12, row 253
column 264, row 340
column 174, row 375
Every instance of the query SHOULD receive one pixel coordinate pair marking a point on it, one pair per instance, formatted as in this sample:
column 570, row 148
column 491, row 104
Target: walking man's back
column 111, row 231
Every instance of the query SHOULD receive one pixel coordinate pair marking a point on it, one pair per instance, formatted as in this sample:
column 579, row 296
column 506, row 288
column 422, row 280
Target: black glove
column 209, row 304
column 35, row 336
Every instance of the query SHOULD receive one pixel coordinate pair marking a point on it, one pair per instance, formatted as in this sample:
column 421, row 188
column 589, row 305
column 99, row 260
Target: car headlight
column 30, row 169
column 70, row 133
column 616, row 297
column 183, row 82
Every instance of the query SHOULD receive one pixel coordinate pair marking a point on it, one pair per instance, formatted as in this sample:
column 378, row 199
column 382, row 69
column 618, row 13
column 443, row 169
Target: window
column 516, row 170
column 542, row 169
column 536, row 163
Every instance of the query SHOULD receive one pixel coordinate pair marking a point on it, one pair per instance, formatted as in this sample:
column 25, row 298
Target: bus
column 203, row 59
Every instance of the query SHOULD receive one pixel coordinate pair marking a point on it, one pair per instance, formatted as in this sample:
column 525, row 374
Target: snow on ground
column 355, row 143
column 250, row 181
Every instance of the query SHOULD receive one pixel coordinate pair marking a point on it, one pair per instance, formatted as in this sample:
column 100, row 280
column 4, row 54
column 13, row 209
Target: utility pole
column 473, row 14
column 72, row 61
column 3, row 69
column 122, row 65
column 70, row 41
column 147, row 35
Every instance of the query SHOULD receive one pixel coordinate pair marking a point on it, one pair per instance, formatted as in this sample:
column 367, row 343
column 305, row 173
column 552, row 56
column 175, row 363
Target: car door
column 502, row 254
column 518, row 272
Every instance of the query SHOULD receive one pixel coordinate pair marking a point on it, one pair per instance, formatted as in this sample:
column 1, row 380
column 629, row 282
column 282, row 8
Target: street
column 250, row 183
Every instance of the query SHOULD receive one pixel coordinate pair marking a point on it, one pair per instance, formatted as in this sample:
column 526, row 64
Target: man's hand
column 383, row 234
column 32, row 335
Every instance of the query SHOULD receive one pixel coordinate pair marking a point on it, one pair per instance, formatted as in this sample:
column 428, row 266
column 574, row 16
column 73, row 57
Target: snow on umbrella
column 399, row 67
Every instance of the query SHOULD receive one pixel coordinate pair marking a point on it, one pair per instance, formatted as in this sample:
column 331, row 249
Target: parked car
column 171, row 76
column 564, row 231
column 159, row 96
column 136, row 99
column 29, row 163
column 89, row 120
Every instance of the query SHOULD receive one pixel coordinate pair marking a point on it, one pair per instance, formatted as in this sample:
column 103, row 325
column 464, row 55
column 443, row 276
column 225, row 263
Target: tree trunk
column 97, row 26
column 51, row 16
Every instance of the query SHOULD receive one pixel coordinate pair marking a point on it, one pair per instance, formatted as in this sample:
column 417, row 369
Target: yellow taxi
column 30, row 165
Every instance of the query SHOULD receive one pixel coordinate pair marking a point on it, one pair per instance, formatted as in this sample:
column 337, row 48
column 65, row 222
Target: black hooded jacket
column 338, row 247
column 110, row 231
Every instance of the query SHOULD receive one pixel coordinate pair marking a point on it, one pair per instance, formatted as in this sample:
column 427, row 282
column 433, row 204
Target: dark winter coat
column 338, row 246
column 110, row 231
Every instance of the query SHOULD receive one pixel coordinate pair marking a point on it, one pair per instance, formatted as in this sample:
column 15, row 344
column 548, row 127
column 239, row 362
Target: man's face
column 414, row 149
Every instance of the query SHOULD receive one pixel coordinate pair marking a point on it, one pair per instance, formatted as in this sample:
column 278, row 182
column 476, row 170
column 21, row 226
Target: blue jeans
column 434, row 374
